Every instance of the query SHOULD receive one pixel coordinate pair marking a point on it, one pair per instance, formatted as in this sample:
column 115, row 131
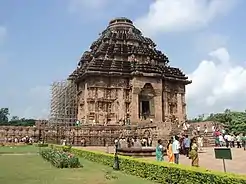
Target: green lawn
column 32, row 169
column 18, row 149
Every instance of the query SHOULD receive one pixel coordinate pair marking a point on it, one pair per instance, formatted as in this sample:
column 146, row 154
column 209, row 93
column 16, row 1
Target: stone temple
column 124, row 79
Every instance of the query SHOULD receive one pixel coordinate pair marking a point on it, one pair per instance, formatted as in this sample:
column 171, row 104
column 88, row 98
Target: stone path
column 207, row 159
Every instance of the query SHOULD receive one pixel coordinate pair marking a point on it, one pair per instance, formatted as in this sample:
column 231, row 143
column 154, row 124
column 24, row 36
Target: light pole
column 116, row 158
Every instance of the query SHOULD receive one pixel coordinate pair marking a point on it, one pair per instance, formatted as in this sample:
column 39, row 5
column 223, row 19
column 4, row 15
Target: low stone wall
column 88, row 135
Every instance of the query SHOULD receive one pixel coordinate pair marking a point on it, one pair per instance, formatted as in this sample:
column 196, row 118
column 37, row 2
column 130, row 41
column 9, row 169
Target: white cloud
column 180, row 15
column 217, row 84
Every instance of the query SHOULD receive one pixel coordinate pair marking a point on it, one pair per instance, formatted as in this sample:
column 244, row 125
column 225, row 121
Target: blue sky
column 41, row 42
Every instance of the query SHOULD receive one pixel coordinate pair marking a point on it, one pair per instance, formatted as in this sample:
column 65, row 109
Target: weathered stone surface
column 124, row 77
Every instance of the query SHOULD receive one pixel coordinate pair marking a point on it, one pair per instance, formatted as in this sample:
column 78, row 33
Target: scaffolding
column 63, row 102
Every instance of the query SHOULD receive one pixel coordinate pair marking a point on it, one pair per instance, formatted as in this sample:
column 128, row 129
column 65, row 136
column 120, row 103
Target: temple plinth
column 124, row 78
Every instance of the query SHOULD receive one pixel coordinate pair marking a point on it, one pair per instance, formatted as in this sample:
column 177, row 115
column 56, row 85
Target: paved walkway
column 207, row 159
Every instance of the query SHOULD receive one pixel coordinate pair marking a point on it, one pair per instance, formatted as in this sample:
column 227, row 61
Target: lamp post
column 116, row 158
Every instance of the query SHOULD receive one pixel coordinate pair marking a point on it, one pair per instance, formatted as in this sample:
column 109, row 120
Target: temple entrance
column 145, row 107
column 146, row 102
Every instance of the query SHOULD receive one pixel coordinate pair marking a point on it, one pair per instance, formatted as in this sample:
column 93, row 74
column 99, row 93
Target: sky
column 42, row 41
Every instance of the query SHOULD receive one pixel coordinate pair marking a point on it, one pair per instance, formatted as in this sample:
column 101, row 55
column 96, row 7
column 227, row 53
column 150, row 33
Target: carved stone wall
column 174, row 101
column 104, row 100
column 107, row 100
column 93, row 135
column 11, row 132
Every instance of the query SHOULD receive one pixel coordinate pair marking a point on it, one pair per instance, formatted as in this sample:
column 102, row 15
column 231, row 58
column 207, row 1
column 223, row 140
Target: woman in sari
column 194, row 153
column 159, row 151
column 170, row 154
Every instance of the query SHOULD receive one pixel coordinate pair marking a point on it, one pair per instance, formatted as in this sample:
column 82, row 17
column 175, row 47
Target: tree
column 4, row 113
column 14, row 118
column 234, row 121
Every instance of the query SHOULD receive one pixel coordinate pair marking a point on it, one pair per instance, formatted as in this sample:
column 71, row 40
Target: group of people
column 133, row 142
column 174, row 149
column 223, row 138
column 16, row 140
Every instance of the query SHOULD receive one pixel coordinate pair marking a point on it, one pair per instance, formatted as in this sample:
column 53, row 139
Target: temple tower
column 124, row 78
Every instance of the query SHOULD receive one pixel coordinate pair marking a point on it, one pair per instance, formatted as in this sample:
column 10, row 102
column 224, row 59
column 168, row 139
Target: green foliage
column 4, row 112
column 19, row 122
column 161, row 172
column 60, row 159
column 67, row 148
column 15, row 120
column 42, row 145
column 233, row 121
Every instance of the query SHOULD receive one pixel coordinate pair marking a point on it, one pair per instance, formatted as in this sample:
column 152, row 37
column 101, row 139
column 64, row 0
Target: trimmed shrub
column 60, row 159
column 161, row 172
column 67, row 148
column 42, row 145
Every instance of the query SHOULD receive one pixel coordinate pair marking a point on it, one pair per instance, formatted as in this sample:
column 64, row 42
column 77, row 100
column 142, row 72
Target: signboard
column 223, row 153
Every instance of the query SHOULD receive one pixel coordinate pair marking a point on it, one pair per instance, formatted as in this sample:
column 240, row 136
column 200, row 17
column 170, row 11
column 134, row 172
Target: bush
column 42, row 145
column 67, row 148
column 60, row 159
column 161, row 172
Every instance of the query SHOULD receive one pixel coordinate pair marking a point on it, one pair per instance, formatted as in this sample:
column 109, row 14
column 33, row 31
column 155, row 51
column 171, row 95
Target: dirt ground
column 207, row 159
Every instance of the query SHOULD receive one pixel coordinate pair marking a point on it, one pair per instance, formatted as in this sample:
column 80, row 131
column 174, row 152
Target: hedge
column 42, row 145
column 60, row 159
column 161, row 172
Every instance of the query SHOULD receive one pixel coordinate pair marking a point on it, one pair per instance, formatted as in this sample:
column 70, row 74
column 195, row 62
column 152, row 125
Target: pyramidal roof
column 121, row 50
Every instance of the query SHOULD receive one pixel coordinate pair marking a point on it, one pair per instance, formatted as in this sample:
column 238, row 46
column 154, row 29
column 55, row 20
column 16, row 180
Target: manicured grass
column 18, row 149
column 32, row 169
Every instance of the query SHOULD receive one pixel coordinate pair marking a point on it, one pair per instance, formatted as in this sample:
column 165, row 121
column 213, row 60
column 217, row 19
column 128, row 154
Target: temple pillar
column 121, row 100
column 86, row 104
column 179, row 108
column 158, row 105
column 134, row 108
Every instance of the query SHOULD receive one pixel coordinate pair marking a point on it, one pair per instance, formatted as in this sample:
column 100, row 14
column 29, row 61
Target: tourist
column 170, row 151
column 205, row 130
column 176, row 149
column 233, row 138
column 186, row 144
column 226, row 137
column 194, row 153
column 223, row 131
column 185, row 127
column 198, row 129
column 238, row 138
column 116, row 143
column 159, row 151
column 213, row 130
column 181, row 143
column 244, row 141
column 221, row 140
column 144, row 142
column 200, row 142
column 150, row 142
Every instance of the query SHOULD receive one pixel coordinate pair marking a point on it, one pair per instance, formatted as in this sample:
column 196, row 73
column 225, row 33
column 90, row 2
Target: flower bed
column 60, row 159
column 161, row 172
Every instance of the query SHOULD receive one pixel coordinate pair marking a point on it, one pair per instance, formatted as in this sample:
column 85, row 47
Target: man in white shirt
column 221, row 140
column 176, row 149
column 227, row 138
